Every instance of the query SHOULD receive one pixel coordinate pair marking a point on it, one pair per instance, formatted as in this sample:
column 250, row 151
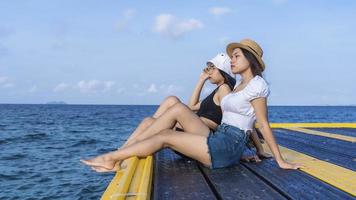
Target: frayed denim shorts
column 226, row 145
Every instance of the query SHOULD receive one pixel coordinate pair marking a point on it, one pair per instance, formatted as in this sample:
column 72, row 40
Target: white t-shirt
column 237, row 108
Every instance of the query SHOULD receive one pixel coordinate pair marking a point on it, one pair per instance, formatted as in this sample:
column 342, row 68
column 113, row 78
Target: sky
column 139, row 52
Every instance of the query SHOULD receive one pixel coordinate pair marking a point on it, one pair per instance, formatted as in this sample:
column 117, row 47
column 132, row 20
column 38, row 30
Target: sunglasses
column 209, row 67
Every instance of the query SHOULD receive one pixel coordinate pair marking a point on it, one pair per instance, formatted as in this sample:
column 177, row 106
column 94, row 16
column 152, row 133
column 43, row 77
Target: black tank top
column 209, row 109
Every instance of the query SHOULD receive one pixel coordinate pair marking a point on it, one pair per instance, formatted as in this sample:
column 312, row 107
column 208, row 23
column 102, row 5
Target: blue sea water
column 41, row 144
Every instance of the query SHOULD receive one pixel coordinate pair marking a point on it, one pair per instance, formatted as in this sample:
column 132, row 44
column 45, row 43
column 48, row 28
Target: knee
column 164, row 137
column 172, row 100
column 148, row 120
column 178, row 108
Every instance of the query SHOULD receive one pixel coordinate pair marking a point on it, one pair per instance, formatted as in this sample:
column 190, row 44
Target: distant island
column 56, row 102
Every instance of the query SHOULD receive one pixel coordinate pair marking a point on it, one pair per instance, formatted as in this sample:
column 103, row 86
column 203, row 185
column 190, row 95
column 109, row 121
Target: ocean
column 41, row 144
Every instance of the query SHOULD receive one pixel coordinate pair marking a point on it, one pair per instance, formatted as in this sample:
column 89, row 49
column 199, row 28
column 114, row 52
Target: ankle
column 109, row 156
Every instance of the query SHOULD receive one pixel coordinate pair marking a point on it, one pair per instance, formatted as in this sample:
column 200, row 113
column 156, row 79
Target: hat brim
column 230, row 48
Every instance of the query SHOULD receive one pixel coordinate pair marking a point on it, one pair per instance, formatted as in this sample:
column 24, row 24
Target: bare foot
column 103, row 170
column 253, row 158
column 100, row 169
column 102, row 161
column 264, row 155
column 116, row 168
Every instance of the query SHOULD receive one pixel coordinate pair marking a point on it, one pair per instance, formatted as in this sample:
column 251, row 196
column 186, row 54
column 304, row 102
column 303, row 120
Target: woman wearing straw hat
column 218, row 71
column 222, row 148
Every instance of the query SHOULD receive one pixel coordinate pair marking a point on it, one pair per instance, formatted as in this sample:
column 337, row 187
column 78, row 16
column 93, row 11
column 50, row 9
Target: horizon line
column 348, row 105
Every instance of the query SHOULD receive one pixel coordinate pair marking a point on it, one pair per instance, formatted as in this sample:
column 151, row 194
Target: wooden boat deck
column 327, row 151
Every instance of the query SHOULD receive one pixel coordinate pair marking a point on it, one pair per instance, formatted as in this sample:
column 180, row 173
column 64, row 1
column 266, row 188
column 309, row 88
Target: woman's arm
column 260, row 107
column 257, row 143
column 194, row 103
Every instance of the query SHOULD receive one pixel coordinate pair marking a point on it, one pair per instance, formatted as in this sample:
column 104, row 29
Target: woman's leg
column 165, row 105
column 145, row 123
column 192, row 145
column 179, row 113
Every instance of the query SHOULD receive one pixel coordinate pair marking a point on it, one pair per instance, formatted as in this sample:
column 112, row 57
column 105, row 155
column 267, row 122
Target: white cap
column 222, row 62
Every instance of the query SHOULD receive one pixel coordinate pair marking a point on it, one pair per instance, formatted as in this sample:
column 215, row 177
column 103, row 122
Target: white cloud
column 218, row 11
column 152, row 88
column 187, row 26
column 61, row 87
column 84, row 86
column 156, row 89
column 171, row 89
column 171, row 26
column 93, row 86
column 164, row 89
column 163, row 22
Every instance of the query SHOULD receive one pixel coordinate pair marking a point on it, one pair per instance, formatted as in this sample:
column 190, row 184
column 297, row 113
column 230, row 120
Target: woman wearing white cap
column 218, row 71
column 225, row 146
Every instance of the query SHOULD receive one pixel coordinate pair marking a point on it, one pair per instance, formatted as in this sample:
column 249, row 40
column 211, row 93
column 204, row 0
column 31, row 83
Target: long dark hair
column 254, row 64
column 229, row 80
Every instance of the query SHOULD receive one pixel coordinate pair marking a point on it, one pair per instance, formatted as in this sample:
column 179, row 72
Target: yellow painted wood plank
column 119, row 185
column 136, row 180
column 339, row 177
column 133, row 182
column 313, row 125
column 324, row 134
column 146, row 180
column 113, row 186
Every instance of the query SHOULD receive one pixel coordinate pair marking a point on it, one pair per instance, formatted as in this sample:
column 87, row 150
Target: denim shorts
column 226, row 146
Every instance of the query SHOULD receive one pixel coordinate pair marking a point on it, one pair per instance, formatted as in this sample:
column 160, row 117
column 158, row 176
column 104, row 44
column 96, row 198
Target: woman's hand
column 260, row 107
column 204, row 75
column 286, row 165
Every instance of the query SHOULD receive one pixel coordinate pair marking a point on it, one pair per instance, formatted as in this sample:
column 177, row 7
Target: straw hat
column 250, row 46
